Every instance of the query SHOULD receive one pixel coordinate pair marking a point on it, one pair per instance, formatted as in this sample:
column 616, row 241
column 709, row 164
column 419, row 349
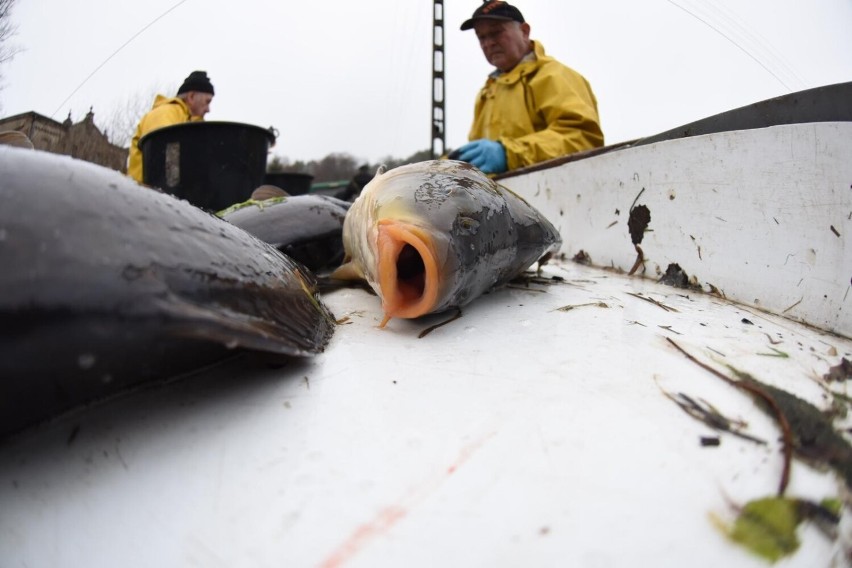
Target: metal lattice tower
column 437, row 127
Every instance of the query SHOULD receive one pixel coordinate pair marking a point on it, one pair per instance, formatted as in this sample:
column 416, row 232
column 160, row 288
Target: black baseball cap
column 494, row 10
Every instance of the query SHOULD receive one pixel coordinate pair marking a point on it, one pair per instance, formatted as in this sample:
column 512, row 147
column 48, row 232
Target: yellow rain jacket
column 165, row 112
column 539, row 110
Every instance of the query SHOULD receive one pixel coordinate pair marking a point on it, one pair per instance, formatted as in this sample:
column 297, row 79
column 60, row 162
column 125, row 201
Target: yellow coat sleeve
column 166, row 112
column 566, row 119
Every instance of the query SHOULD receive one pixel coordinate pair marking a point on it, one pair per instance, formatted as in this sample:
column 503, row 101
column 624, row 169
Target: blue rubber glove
column 487, row 155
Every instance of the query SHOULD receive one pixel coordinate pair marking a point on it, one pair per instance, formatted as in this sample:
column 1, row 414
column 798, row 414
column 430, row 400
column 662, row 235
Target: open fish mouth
column 408, row 270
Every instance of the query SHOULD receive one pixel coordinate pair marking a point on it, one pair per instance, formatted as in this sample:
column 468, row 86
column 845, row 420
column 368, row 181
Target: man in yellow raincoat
column 532, row 107
column 191, row 103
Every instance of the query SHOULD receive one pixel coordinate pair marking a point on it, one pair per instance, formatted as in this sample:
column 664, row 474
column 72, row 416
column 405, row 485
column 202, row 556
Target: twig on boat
column 777, row 353
column 525, row 288
column 632, row 205
column 524, row 280
column 794, row 305
column 716, row 292
column 710, row 416
column 669, row 328
column 640, row 259
column 773, row 342
column 787, row 435
column 571, row 307
column 432, row 328
column 653, row 301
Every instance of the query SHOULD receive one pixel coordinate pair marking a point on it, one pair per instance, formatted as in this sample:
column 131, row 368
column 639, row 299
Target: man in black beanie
column 191, row 103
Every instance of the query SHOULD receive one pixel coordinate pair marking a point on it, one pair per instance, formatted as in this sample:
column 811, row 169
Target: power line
column 730, row 39
column 114, row 53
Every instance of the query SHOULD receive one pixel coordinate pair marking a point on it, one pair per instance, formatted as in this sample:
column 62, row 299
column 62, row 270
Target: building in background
column 83, row 140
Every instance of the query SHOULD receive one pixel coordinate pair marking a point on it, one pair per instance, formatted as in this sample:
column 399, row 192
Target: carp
column 307, row 228
column 435, row 235
column 106, row 284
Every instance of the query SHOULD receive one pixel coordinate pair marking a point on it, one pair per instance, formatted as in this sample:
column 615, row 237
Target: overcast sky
column 354, row 77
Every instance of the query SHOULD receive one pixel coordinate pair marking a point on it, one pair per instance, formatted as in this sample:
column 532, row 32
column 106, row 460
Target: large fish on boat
column 435, row 235
column 307, row 228
column 105, row 284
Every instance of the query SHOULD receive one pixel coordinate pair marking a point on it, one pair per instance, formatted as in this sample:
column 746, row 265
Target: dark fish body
column 435, row 235
column 105, row 284
column 307, row 228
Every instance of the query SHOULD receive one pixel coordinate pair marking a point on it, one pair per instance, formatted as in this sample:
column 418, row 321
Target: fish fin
column 385, row 321
column 268, row 191
column 306, row 329
column 348, row 271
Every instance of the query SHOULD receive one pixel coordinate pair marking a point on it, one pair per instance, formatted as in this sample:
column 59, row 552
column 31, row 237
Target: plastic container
column 210, row 164
column 294, row 183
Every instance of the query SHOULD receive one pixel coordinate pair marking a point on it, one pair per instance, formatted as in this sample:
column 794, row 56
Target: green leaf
column 767, row 527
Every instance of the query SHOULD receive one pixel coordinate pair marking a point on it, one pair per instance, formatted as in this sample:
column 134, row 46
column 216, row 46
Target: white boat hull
column 535, row 430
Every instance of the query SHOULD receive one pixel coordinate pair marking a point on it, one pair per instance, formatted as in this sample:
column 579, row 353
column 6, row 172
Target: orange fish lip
column 408, row 270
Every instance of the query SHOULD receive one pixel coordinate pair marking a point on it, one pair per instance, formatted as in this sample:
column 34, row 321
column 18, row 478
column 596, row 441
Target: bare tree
column 121, row 120
column 278, row 164
column 340, row 166
column 7, row 31
column 337, row 166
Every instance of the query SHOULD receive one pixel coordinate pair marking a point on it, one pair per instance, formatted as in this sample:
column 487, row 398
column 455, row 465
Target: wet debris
column 776, row 353
column 767, row 526
column 582, row 257
column 640, row 261
column 713, row 291
column 523, row 281
column 807, row 431
column 814, row 438
column 710, row 441
column 793, row 306
column 675, row 276
column 432, row 328
column 840, row 372
column 652, row 301
column 637, row 223
column 575, row 306
column 705, row 412
column 773, row 341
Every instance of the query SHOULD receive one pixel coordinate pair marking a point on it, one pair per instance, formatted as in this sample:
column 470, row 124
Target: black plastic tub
column 294, row 183
column 210, row 164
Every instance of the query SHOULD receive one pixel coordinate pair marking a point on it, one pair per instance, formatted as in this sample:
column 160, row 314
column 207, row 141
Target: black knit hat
column 197, row 81
column 494, row 10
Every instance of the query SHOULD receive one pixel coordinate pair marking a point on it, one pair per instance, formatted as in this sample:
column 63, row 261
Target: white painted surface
column 763, row 215
column 518, row 435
